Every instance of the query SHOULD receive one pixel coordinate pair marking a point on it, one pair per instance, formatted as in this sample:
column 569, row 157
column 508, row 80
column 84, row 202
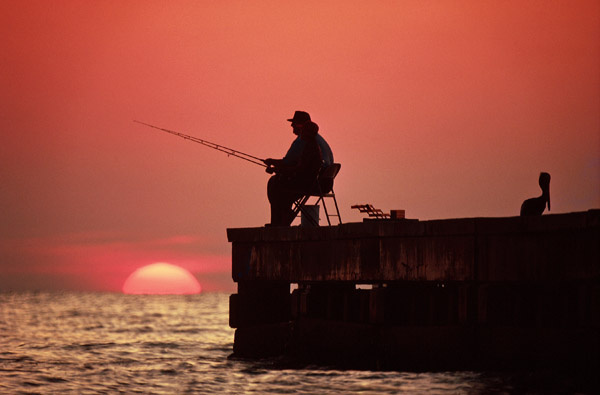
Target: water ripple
column 111, row 343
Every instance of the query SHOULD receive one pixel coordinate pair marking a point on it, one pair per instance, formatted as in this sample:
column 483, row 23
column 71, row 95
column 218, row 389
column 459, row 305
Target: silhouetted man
column 295, row 172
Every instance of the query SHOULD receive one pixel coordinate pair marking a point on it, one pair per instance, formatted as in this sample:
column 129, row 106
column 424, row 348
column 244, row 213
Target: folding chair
column 322, row 188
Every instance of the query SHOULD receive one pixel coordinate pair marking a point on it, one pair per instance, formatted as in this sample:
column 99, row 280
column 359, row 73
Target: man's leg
column 282, row 196
column 275, row 194
column 288, row 214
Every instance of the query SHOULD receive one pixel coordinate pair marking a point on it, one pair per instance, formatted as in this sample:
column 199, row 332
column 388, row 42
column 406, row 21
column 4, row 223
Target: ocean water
column 91, row 343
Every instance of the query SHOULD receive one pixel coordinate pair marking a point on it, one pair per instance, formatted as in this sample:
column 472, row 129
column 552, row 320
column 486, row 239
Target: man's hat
column 300, row 117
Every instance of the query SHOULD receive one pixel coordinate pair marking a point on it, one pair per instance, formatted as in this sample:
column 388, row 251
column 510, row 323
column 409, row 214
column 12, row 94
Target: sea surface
column 104, row 343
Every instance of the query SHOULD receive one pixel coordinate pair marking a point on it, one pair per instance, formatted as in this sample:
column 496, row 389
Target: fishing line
column 218, row 147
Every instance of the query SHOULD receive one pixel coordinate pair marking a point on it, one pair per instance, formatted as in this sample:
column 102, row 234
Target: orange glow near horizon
column 161, row 279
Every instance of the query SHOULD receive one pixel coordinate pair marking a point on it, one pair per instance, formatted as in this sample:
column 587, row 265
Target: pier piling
column 422, row 294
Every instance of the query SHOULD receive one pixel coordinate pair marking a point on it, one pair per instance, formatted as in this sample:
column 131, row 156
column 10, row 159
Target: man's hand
column 269, row 162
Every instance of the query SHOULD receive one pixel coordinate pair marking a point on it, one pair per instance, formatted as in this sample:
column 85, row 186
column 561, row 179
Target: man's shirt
column 295, row 151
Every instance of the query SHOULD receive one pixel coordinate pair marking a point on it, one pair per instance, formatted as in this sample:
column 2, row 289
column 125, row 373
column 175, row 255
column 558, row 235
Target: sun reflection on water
column 104, row 343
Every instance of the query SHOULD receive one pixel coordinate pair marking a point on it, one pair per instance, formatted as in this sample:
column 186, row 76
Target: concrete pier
column 441, row 294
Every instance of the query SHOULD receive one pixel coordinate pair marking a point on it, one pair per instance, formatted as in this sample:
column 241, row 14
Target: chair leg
column 299, row 203
column 336, row 207
column 299, row 207
column 324, row 209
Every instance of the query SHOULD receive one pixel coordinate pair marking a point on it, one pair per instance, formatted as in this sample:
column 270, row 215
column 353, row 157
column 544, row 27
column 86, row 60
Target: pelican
column 536, row 206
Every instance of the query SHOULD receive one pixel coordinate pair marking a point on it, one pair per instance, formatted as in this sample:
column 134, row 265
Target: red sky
column 442, row 108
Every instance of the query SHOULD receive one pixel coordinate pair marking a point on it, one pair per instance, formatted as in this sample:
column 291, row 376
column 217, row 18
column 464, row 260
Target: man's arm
column 276, row 166
column 273, row 162
column 290, row 159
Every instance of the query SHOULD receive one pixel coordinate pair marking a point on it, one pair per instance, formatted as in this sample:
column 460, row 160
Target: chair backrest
column 330, row 171
column 327, row 176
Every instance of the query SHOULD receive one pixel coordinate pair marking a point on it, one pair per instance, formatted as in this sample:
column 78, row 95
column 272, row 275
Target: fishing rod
column 218, row 147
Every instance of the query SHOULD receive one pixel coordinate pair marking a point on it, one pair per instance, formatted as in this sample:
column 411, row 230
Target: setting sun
column 161, row 278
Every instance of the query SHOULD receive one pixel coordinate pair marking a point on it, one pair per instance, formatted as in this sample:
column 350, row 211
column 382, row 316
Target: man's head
column 300, row 119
